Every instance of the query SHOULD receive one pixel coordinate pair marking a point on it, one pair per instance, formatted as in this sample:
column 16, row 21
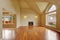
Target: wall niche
column 8, row 20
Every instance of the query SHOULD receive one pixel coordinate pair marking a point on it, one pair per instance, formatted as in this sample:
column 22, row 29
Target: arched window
column 51, row 16
column 52, row 8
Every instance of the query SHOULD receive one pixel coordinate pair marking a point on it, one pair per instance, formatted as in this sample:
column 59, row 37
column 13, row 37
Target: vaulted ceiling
column 38, row 6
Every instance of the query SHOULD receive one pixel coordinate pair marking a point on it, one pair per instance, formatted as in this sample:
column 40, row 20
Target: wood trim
column 51, row 12
column 46, row 8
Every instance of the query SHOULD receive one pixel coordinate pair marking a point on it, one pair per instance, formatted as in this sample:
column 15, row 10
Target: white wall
column 30, row 17
column 17, row 19
column 0, row 23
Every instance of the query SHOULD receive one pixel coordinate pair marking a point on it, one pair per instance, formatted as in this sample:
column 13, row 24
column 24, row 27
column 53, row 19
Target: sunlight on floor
column 51, row 35
column 8, row 34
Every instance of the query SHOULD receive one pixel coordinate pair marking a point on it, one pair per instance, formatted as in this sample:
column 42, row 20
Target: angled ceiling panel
column 23, row 4
column 42, row 5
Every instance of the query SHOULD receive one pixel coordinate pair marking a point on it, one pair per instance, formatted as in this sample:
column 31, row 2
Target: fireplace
column 30, row 23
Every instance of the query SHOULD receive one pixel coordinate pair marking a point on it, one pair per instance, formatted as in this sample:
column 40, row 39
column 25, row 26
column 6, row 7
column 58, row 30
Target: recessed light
column 36, row 16
column 25, row 16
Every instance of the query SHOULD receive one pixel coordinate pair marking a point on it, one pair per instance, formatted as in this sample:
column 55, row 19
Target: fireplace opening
column 30, row 23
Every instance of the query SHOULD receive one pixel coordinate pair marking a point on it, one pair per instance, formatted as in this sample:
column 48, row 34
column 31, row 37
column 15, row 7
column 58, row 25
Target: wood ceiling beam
column 46, row 8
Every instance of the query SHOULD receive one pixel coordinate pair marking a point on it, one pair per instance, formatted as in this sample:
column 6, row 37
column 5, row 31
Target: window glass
column 53, row 8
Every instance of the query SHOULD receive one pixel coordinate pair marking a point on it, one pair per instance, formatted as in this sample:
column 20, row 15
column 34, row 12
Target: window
column 53, row 8
column 51, row 16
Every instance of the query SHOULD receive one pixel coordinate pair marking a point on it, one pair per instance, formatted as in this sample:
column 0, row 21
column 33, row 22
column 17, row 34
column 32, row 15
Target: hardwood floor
column 32, row 33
